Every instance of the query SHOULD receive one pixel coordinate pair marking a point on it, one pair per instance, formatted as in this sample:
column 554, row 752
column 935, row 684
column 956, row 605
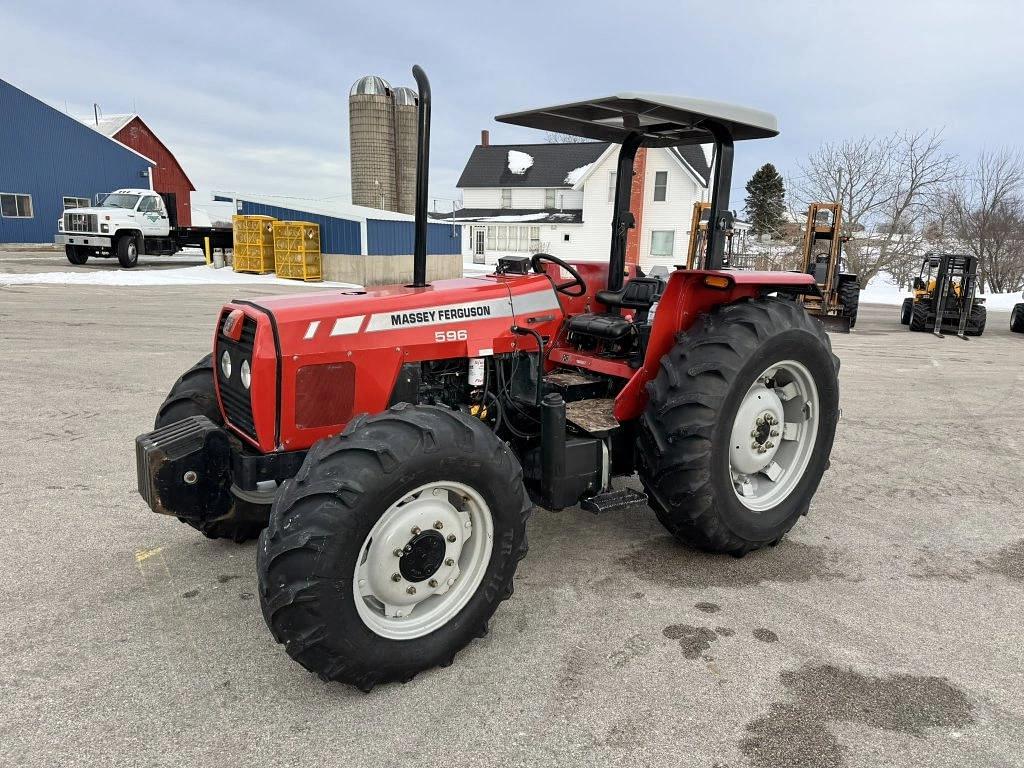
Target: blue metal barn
column 46, row 156
column 354, row 230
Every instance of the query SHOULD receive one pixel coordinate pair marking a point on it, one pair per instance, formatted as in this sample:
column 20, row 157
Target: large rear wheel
column 739, row 426
column 976, row 320
column 919, row 316
column 194, row 394
column 393, row 546
column 906, row 310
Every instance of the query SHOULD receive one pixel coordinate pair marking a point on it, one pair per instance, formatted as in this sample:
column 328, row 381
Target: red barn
column 169, row 177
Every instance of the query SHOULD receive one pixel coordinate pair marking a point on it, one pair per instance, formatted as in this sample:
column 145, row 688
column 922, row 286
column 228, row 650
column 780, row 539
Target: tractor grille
column 80, row 222
column 235, row 397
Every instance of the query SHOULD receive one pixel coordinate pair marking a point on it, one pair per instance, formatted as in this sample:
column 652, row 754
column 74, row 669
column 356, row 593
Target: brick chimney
column 636, row 206
column 485, row 138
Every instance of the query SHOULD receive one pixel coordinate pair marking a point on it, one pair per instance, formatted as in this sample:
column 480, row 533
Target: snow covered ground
column 883, row 290
column 200, row 275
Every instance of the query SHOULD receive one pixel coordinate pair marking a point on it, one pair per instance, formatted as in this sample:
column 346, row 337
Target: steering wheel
column 572, row 288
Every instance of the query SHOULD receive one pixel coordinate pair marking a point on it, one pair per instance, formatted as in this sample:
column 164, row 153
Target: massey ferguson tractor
column 387, row 446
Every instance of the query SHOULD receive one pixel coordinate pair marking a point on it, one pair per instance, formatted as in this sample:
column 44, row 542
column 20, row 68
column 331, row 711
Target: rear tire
column 689, row 427
column 127, row 251
column 1017, row 318
column 76, row 254
column 324, row 525
column 906, row 311
column 194, row 394
column 919, row 316
column 849, row 296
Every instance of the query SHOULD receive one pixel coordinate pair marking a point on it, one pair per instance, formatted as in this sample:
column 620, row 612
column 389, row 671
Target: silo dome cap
column 371, row 85
column 404, row 97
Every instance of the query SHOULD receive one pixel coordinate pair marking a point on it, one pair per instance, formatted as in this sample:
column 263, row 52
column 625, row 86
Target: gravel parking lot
column 884, row 630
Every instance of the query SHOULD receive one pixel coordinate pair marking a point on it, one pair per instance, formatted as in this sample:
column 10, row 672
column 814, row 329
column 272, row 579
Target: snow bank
column 883, row 290
column 201, row 275
column 573, row 177
column 519, row 162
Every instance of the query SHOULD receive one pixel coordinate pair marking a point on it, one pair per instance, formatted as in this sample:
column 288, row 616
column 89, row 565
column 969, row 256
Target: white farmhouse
column 557, row 199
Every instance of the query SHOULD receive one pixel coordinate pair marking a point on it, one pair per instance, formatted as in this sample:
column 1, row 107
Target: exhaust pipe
column 419, row 256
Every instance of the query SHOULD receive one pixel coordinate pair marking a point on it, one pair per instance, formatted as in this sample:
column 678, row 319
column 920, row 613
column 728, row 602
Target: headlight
column 104, row 228
column 225, row 364
column 244, row 374
column 60, row 225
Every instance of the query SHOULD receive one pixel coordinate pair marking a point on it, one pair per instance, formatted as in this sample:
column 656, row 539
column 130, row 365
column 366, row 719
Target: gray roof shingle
column 488, row 166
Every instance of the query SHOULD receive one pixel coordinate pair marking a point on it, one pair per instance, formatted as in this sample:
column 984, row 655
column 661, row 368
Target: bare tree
column 888, row 186
column 987, row 211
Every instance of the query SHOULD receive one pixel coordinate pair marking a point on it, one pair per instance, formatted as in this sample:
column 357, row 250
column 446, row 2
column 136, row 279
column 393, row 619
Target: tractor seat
column 639, row 294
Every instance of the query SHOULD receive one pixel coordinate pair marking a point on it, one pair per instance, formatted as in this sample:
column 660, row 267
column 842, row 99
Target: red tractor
column 387, row 446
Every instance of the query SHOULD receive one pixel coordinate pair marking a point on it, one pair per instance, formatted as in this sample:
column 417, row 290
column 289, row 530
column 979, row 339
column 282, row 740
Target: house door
column 478, row 245
column 170, row 202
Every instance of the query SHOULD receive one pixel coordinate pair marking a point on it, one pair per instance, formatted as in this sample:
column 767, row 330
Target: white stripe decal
column 439, row 315
column 537, row 301
column 311, row 331
column 345, row 326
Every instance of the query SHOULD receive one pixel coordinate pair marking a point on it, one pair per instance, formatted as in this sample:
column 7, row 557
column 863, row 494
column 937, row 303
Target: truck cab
column 123, row 224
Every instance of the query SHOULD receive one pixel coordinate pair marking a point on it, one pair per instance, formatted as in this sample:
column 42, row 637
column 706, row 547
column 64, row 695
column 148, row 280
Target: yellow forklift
column 699, row 237
column 822, row 254
column 944, row 297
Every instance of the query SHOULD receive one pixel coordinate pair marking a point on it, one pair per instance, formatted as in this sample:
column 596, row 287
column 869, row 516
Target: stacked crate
column 297, row 250
column 253, row 244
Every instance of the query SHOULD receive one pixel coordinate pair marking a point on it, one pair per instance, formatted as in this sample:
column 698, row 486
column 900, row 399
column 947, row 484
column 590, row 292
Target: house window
column 565, row 237
column 611, row 186
column 490, row 238
column 662, row 242
column 502, row 238
column 660, row 186
column 76, row 202
column 506, row 198
column 549, row 198
column 534, row 239
column 15, row 206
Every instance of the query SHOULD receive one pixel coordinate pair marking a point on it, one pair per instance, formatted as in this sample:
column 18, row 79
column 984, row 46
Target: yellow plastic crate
column 253, row 244
column 297, row 250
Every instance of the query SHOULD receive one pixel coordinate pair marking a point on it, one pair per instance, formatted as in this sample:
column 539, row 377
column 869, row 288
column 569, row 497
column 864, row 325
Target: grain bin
column 405, row 143
column 372, row 135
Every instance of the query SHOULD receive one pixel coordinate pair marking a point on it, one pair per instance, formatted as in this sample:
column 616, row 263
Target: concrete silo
column 405, row 145
column 372, row 133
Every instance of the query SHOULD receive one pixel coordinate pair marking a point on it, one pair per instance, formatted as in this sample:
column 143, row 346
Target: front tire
column 849, row 297
column 128, row 251
column 76, row 254
column 1017, row 318
column 919, row 316
column 194, row 394
column 976, row 321
column 906, row 310
column 336, row 588
column 745, row 362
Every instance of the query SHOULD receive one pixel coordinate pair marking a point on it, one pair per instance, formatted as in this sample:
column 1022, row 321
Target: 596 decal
column 460, row 335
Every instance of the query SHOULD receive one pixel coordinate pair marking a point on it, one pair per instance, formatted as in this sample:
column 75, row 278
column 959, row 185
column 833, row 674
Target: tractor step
column 594, row 416
column 610, row 501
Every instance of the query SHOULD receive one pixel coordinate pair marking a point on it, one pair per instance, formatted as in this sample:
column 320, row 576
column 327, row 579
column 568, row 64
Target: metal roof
column 665, row 121
column 405, row 97
column 370, row 85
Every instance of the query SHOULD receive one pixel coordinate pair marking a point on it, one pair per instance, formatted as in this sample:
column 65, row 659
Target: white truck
column 128, row 223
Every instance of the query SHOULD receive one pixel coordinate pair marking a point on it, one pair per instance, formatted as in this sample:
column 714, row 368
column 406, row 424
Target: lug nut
column 451, row 538
column 415, row 530
column 755, row 444
column 438, row 524
column 775, row 433
column 396, row 577
column 190, row 477
column 398, row 551
column 760, row 420
column 753, row 433
column 769, row 444
column 450, row 562
column 432, row 582
column 411, row 590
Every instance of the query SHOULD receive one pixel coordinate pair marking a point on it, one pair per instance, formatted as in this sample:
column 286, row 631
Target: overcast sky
column 252, row 96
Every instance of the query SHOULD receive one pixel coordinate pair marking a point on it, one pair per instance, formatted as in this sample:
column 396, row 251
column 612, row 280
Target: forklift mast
column 824, row 225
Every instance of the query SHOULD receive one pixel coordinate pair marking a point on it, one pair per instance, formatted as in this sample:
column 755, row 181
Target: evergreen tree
column 765, row 204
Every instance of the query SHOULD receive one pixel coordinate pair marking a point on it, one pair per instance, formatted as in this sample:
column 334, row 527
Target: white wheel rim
column 411, row 607
column 773, row 435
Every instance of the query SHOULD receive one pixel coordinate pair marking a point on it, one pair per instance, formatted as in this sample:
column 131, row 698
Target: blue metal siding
column 336, row 235
column 391, row 238
column 49, row 155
